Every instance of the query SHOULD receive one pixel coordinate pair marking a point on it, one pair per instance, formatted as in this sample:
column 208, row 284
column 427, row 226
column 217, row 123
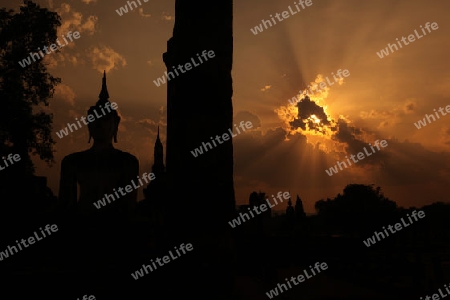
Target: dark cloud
column 344, row 132
column 307, row 108
column 410, row 107
column 148, row 124
column 412, row 163
column 352, row 136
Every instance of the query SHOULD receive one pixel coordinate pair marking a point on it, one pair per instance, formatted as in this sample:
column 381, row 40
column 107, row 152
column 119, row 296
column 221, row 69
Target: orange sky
column 381, row 99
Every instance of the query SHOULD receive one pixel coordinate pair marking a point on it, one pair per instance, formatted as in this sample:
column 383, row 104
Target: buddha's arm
column 67, row 184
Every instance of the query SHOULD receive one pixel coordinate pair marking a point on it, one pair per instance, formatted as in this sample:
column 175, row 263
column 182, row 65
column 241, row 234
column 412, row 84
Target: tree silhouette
column 24, row 127
column 360, row 209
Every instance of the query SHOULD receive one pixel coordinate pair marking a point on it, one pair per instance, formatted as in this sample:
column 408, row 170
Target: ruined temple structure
column 299, row 211
column 156, row 191
column 199, row 107
column 290, row 212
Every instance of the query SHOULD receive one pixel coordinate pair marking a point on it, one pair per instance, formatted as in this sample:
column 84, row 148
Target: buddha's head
column 105, row 128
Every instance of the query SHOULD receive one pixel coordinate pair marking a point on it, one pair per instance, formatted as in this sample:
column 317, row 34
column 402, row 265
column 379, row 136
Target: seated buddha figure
column 100, row 171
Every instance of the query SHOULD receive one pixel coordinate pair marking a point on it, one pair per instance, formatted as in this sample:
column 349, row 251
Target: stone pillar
column 199, row 106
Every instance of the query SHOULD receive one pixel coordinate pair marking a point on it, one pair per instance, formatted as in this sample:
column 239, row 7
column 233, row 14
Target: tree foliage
column 25, row 127
column 360, row 208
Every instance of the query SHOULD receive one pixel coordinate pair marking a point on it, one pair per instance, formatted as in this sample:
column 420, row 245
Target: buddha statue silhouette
column 101, row 169
column 97, row 172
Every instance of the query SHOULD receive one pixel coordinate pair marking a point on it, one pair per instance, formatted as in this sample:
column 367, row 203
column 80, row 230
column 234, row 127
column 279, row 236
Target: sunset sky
column 380, row 100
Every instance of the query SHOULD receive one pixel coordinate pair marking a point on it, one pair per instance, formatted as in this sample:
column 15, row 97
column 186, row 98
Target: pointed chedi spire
column 158, row 157
column 158, row 142
column 300, row 212
column 104, row 95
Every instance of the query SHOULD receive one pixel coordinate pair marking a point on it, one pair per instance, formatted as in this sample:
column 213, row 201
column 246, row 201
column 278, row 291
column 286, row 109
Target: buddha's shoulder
column 87, row 155
column 125, row 156
column 75, row 157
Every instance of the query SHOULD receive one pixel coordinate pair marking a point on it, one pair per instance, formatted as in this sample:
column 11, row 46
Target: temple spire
column 158, row 144
column 103, row 96
column 158, row 154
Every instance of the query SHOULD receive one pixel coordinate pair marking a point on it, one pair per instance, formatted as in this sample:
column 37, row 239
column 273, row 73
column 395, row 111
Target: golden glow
column 315, row 119
column 321, row 133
